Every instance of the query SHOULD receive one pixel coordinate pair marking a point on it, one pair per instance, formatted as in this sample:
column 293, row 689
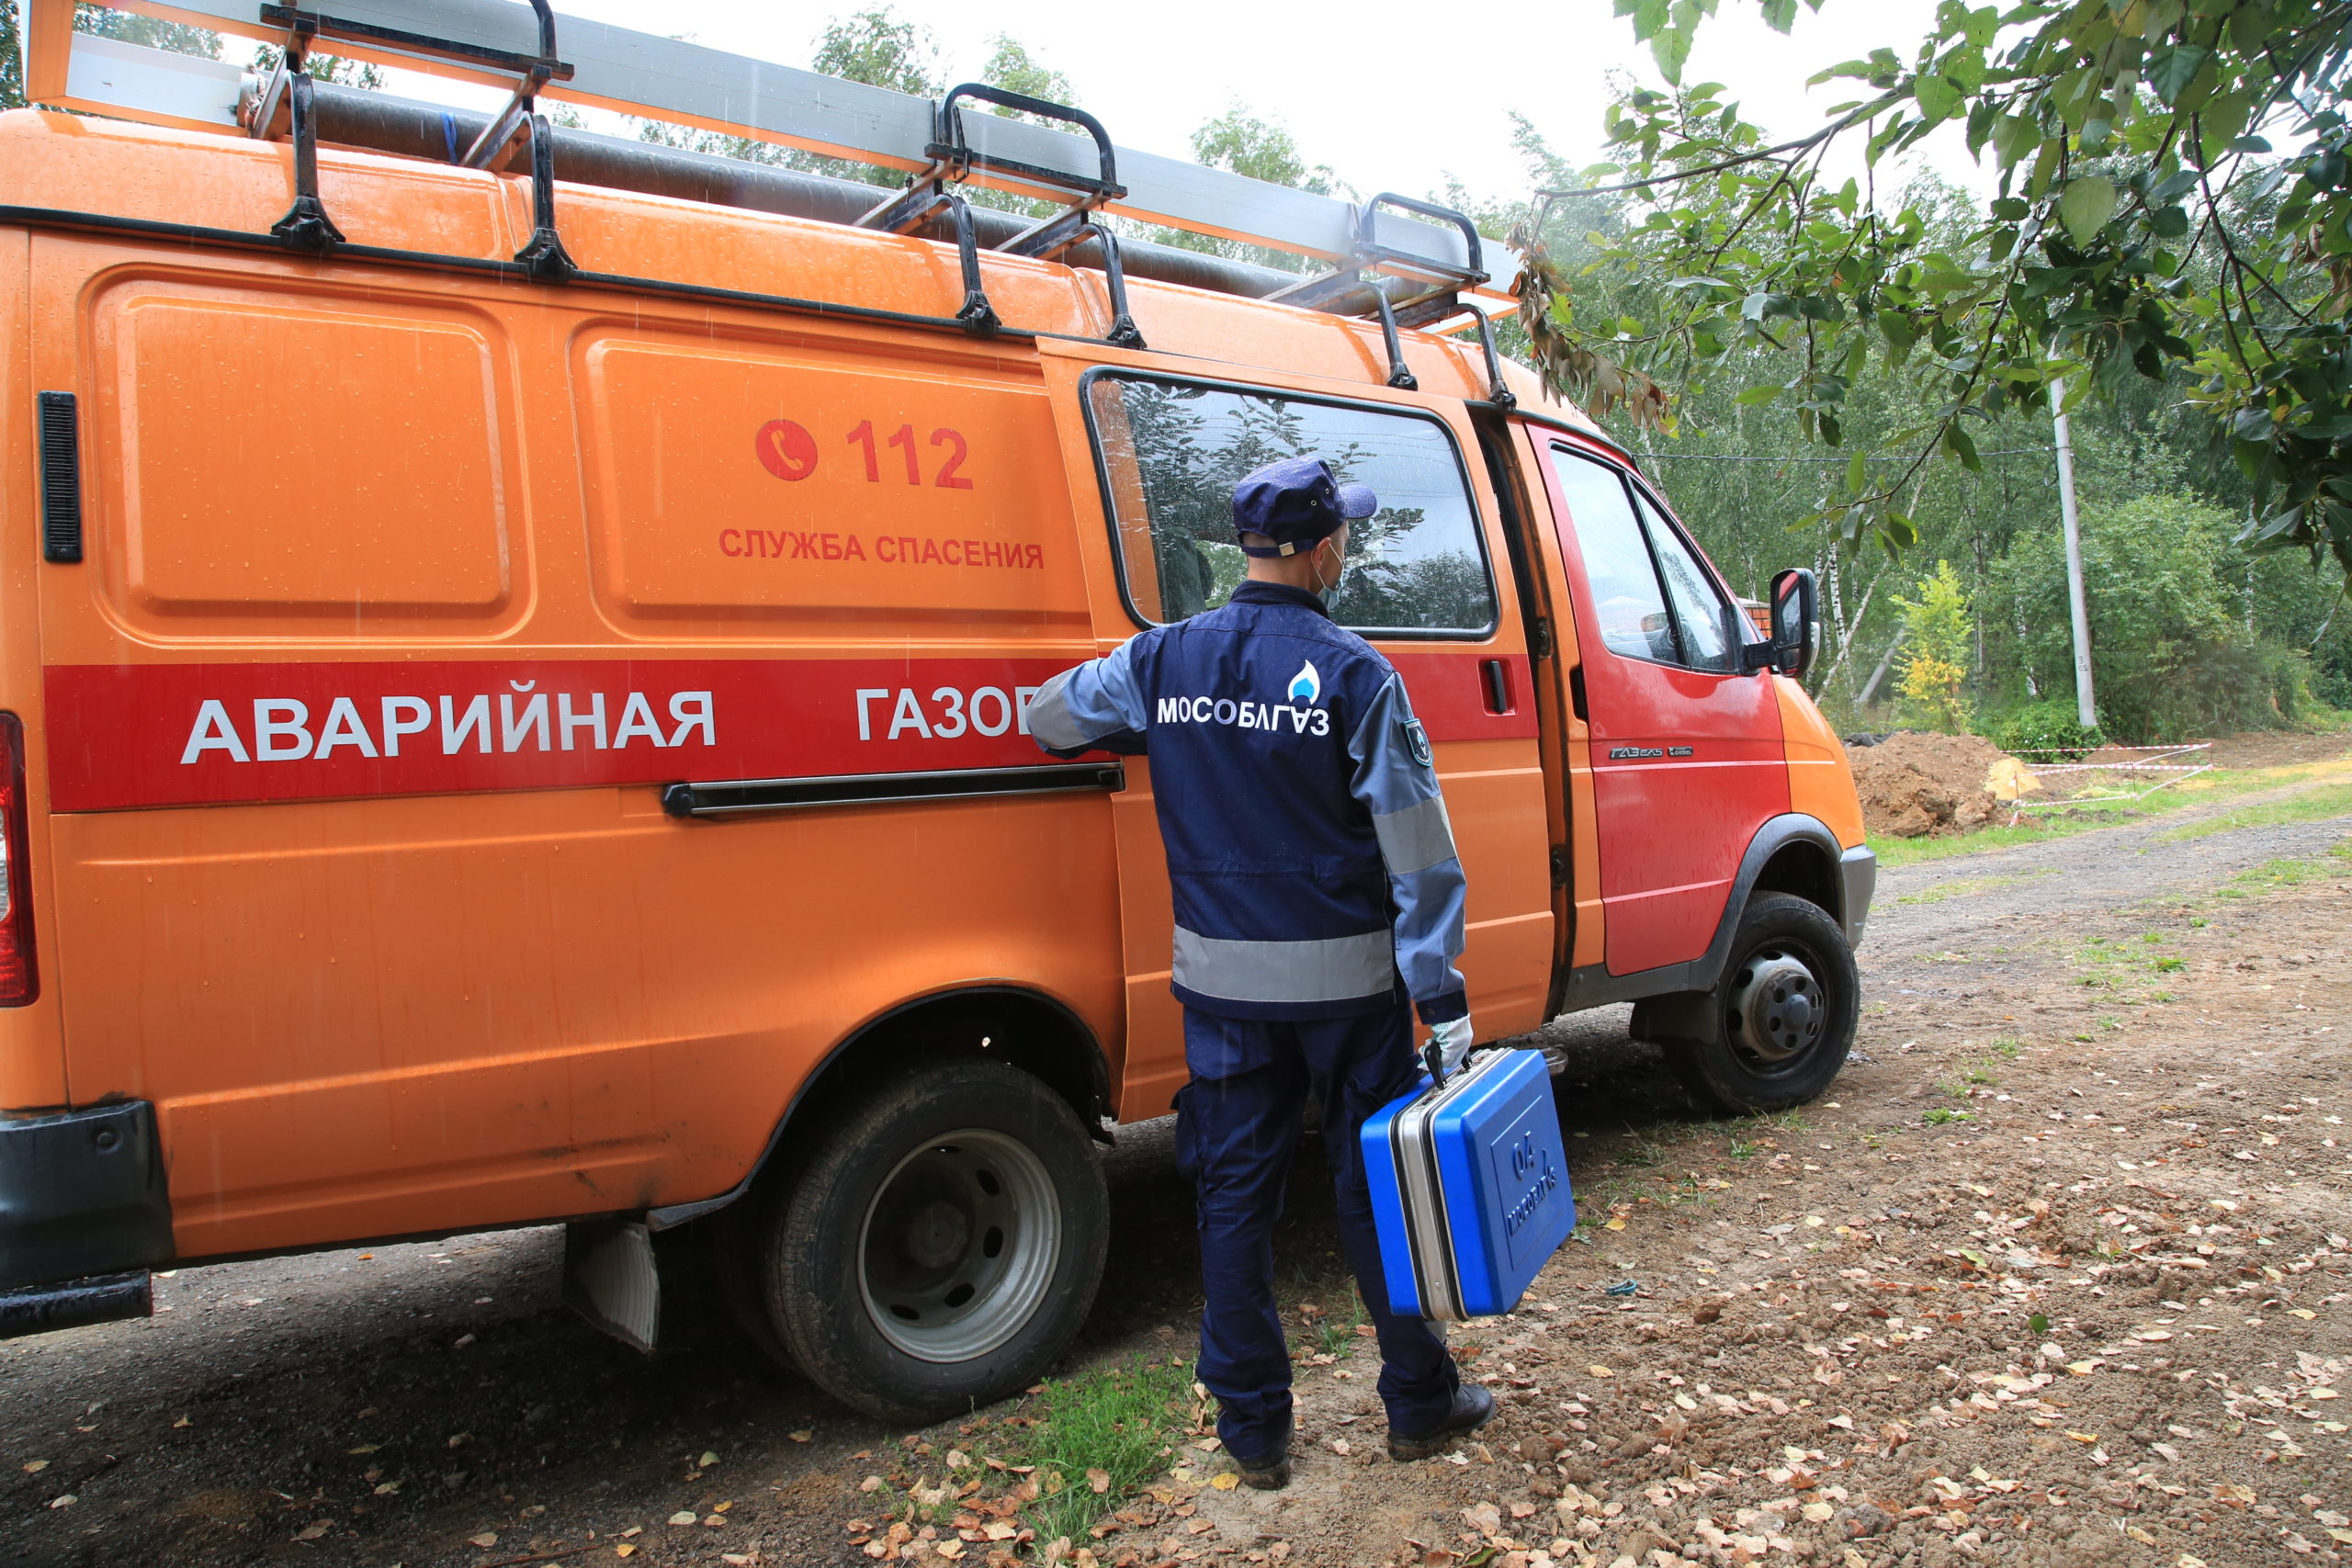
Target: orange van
column 494, row 743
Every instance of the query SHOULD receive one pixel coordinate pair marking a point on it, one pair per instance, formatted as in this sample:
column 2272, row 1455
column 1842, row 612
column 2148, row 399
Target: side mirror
column 1796, row 605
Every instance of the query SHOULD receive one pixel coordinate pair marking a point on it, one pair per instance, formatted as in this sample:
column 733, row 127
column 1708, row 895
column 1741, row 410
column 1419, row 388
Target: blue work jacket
column 1309, row 850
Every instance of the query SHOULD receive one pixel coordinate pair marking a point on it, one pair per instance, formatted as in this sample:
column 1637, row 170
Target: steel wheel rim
column 1777, row 1007
column 959, row 1245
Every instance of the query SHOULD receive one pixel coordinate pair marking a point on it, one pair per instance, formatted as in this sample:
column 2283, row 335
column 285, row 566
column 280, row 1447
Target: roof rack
column 1402, row 260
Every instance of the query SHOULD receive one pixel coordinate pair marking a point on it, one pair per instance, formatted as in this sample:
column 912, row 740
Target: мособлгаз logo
column 1307, row 686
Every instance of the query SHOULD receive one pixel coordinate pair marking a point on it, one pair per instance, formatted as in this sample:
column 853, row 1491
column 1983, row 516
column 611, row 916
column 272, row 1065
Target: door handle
column 1496, row 672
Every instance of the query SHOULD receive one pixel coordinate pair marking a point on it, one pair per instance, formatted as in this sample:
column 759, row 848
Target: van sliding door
column 1153, row 449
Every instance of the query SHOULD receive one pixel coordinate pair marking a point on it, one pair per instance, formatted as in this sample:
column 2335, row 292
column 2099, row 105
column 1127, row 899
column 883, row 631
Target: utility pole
column 2086, row 702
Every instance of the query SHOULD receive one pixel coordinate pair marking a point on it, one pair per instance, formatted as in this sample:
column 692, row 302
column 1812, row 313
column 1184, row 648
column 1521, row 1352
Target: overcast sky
column 1390, row 96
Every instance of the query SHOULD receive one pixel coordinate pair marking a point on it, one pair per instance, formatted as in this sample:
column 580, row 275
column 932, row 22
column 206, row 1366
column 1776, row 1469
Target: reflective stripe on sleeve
column 1050, row 720
column 1416, row 837
column 1333, row 970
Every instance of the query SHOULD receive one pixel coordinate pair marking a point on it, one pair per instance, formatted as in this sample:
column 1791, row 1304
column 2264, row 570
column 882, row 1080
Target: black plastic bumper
column 82, row 1196
column 39, row 1309
column 1857, row 872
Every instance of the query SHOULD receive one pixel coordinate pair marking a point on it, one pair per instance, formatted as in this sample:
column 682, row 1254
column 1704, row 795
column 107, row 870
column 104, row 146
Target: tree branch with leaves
column 2173, row 190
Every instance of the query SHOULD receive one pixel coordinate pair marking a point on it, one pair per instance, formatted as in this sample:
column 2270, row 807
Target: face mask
column 1330, row 595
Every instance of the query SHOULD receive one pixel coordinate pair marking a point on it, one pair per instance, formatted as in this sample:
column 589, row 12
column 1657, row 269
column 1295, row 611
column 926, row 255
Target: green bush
column 2174, row 607
column 1936, row 652
column 2047, row 731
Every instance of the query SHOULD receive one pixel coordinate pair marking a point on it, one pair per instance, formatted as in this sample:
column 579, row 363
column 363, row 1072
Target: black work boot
column 1270, row 1473
column 1473, row 1408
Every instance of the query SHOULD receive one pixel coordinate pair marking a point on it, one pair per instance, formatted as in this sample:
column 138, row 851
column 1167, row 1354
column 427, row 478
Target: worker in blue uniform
column 1318, row 903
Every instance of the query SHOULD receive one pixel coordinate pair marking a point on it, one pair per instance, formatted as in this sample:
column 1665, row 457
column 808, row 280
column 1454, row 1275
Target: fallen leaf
column 183, row 1421
column 1615, row 1225
column 707, row 1460
column 314, row 1529
column 872, row 1483
column 487, row 1539
column 685, row 1516
column 800, row 1436
column 1601, row 1372
column 2084, row 1438
column 463, row 1341
column 2304, row 1313
column 65, row 1501
column 1226, row 1481
column 625, row 1549
column 35, row 1466
column 387, row 1489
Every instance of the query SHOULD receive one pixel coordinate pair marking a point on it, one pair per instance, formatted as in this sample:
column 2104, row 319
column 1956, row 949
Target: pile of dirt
column 1913, row 784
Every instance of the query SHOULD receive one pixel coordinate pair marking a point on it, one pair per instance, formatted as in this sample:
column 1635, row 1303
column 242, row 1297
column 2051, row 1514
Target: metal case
column 1469, row 1188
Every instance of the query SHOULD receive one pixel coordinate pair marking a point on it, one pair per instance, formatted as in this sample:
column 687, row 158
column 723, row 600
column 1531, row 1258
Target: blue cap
column 1296, row 503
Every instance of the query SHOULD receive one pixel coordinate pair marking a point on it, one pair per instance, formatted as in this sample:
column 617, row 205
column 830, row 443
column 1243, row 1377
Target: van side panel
column 483, row 978
column 1821, row 779
column 365, row 1018
column 32, row 1054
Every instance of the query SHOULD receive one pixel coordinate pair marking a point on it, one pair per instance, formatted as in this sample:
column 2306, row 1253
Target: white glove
column 1453, row 1040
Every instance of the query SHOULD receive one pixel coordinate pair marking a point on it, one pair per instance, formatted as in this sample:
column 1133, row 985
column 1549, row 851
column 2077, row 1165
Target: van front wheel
column 941, row 1245
column 1776, row 1029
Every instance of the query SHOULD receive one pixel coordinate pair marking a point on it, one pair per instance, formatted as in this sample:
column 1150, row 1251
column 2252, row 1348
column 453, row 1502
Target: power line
column 1807, row 457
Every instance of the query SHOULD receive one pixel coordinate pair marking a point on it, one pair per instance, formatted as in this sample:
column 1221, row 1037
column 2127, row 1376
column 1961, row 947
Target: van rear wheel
column 941, row 1245
column 1777, row 1028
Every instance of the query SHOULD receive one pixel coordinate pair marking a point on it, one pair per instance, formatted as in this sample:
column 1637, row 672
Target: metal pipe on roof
column 378, row 122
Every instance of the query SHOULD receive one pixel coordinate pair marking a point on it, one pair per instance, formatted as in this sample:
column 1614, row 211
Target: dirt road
column 2058, row 1274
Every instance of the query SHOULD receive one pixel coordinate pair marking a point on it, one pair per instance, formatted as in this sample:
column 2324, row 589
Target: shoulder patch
column 1417, row 740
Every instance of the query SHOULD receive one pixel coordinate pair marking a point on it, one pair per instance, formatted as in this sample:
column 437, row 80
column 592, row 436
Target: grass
column 2313, row 806
column 1336, row 1336
column 1118, row 1421
column 2271, row 876
column 1964, row 886
column 2061, row 821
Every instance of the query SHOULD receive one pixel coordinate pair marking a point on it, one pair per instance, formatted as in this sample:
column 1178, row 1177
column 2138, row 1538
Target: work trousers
column 1237, row 1126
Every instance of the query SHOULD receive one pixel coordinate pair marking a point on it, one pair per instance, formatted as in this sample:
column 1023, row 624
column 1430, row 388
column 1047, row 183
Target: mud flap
column 610, row 1279
column 1685, row 1018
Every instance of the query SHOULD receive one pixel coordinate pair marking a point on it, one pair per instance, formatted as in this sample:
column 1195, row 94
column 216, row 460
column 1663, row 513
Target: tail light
column 19, row 981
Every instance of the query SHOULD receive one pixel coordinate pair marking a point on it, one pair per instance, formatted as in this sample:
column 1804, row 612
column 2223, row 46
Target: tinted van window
column 1653, row 597
column 1172, row 453
column 1626, row 599
column 1701, row 614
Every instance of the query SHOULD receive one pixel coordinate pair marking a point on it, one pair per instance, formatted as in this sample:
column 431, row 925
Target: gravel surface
column 1830, row 1355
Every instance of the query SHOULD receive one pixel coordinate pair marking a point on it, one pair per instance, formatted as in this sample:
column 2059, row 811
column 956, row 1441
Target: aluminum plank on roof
column 636, row 72
column 109, row 76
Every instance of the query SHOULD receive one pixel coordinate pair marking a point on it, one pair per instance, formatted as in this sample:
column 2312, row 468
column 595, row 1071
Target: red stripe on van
column 126, row 736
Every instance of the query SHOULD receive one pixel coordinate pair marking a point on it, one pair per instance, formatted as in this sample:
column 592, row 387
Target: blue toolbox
column 1469, row 1187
